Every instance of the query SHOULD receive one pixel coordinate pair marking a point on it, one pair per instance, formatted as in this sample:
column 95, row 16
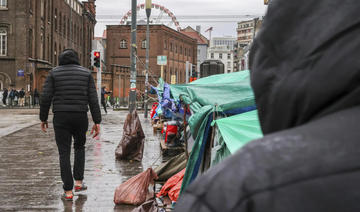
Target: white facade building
column 222, row 48
column 224, row 54
column 227, row 41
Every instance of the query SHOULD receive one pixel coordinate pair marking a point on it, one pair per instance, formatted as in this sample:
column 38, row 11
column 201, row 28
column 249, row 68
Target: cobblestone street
column 29, row 165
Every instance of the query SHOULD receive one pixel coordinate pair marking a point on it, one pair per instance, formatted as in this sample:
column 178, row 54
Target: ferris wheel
column 157, row 16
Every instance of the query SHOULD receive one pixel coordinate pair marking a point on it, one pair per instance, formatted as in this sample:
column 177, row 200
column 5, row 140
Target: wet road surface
column 30, row 176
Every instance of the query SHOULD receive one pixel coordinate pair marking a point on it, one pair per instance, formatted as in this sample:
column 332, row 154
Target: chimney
column 198, row 29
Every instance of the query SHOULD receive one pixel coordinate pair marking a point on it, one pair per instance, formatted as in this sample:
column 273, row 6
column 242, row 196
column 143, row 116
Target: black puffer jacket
column 71, row 88
column 306, row 78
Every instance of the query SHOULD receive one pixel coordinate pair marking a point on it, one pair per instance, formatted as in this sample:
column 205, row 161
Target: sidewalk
column 29, row 169
column 12, row 120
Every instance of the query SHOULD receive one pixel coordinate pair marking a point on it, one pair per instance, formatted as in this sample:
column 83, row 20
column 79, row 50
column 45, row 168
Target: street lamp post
column 148, row 13
column 132, row 95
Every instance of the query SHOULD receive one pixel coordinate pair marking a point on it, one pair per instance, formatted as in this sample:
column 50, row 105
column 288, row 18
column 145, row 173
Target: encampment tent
column 233, row 133
column 214, row 96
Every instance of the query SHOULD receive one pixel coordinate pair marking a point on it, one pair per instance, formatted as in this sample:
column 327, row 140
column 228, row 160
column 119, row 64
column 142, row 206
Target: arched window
column 143, row 44
column 3, row 3
column 123, row 44
column 3, row 42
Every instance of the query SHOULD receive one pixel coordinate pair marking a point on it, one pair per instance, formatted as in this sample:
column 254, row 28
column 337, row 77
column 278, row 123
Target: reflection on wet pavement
column 29, row 171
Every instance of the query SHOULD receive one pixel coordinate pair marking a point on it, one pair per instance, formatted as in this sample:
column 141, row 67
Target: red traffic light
column 97, row 54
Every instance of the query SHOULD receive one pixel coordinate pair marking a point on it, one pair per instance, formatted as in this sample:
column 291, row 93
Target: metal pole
column 119, row 89
column 187, row 72
column 98, row 76
column 148, row 13
column 132, row 95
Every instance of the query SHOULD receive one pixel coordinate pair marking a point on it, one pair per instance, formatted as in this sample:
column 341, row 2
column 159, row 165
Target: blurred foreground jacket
column 305, row 71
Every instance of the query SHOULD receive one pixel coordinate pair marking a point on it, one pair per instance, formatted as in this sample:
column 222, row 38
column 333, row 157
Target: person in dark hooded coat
column 71, row 89
column 305, row 73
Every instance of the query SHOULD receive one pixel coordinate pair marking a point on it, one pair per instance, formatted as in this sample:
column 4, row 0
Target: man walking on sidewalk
column 103, row 92
column 22, row 97
column 71, row 89
column 5, row 95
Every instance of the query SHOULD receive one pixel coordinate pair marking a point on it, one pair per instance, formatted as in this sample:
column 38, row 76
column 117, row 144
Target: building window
column 229, row 64
column 68, row 29
column 42, row 8
column 123, row 44
column 212, row 56
column 64, row 24
column 143, row 44
column 3, row 42
column 49, row 10
column 31, row 43
column 181, row 52
column 229, row 56
column 55, row 19
column 185, row 51
column 171, row 46
column 3, row 3
column 220, row 55
column 165, row 44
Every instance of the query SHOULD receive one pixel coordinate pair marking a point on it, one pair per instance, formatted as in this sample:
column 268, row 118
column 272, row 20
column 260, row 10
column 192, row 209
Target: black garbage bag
column 131, row 146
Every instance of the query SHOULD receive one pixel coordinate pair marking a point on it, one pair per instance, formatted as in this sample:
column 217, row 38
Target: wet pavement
column 29, row 170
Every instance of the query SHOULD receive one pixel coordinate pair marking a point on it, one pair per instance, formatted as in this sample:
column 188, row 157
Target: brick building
column 34, row 32
column 177, row 46
column 203, row 44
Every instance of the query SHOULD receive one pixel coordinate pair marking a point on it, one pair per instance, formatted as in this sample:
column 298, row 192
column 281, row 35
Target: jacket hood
column 304, row 62
column 68, row 57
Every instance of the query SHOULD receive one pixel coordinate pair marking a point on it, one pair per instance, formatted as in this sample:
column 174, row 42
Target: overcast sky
column 222, row 15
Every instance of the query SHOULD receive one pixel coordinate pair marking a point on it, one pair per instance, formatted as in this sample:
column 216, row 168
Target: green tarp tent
column 234, row 132
column 229, row 94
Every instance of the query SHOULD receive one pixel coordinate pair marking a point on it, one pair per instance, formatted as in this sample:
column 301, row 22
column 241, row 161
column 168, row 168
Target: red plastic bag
column 136, row 189
column 172, row 186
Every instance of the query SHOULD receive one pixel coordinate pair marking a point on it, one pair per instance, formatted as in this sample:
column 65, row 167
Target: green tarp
column 234, row 132
column 171, row 167
column 214, row 94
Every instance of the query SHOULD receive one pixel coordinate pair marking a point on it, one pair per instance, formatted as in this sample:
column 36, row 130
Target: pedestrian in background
column 103, row 92
column 5, row 95
column 22, row 97
column 74, row 92
column 11, row 97
column 16, row 98
column 36, row 97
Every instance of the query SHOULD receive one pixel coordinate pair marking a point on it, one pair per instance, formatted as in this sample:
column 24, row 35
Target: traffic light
column 97, row 59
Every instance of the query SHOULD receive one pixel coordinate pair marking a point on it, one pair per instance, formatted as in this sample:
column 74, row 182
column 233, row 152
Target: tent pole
column 185, row 135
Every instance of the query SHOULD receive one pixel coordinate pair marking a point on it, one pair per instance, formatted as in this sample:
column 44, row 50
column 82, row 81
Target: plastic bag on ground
column 131, row 146
column 172, row 186
column 149, row 206
column 136, row 189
